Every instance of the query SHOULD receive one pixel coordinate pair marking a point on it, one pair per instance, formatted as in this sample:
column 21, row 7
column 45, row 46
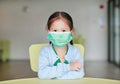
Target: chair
column 4, row 50
column 34, row 50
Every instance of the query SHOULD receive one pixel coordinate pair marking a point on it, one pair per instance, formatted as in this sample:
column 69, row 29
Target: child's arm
column 46, row 71
column 74, row 74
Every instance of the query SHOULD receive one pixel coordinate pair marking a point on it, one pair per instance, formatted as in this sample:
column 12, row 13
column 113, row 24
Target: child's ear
column 46, row 29
column 72, row 31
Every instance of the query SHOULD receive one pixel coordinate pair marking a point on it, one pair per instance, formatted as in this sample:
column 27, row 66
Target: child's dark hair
column 60, row 15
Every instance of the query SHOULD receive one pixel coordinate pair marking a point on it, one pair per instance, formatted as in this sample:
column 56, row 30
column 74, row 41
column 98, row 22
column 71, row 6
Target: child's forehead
column 60, row 23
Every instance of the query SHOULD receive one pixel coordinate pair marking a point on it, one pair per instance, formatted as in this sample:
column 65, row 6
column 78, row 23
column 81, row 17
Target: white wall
column 25, row 28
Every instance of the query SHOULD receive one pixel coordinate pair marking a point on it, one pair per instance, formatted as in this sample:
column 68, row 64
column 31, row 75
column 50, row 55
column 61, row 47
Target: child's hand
column 75, row 65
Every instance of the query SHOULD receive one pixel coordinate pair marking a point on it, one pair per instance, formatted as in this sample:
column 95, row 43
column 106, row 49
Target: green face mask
column 59, row 39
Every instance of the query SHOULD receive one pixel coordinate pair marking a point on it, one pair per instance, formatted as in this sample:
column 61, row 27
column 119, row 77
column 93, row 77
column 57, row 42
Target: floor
column 21, row 69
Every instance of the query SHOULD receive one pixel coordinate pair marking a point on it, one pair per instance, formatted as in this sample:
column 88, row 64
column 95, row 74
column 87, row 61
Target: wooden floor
column 21, row 69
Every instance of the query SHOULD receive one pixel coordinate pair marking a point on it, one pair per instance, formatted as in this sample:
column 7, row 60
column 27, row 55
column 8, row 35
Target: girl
column 60, row 59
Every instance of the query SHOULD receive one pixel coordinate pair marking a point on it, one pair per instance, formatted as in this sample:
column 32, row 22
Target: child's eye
column 63, row 30
column 55, row 30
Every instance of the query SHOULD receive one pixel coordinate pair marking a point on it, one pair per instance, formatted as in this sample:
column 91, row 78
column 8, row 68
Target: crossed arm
column 73, row 70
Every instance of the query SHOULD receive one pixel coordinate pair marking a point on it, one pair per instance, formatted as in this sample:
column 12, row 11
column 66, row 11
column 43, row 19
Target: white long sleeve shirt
column 48, row 58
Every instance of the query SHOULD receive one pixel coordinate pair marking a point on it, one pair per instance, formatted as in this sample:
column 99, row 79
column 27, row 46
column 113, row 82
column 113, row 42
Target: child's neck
column 61, row 51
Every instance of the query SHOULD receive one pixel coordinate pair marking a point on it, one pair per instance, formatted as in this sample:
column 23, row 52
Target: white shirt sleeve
column 75, row 74
column 47, row 71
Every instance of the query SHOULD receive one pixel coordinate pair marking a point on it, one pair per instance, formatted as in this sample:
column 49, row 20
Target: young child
column 60, row 59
